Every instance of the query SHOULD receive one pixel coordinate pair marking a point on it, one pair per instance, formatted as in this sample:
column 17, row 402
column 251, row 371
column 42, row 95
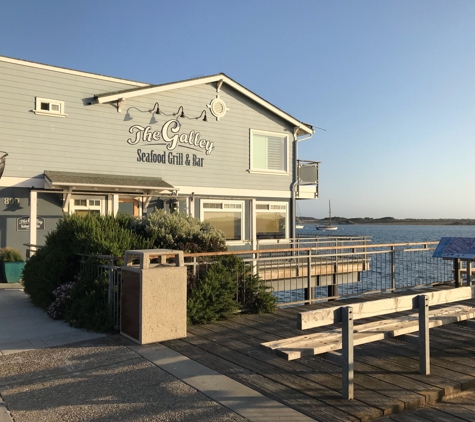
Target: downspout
column 295, row 181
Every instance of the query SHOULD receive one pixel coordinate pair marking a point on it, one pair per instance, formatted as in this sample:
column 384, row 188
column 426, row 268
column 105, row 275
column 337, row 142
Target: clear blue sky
column 391, row 81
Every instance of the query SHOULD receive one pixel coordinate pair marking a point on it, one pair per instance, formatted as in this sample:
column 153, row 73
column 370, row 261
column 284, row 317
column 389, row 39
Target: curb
column 4, row 413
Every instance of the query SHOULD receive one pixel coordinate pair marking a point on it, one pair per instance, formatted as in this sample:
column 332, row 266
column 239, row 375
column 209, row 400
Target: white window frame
column 49, row 112
column 285, row 171
column 101, row 207
column 217, row 210
column 269, row 204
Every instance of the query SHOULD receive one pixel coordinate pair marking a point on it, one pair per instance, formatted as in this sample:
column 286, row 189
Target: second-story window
column 269, row 152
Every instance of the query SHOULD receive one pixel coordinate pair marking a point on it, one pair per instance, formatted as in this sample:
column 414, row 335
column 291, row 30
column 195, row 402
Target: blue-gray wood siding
column 93, row 138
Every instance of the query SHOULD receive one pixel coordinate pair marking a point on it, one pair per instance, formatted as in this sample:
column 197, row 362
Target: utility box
column 153, row 296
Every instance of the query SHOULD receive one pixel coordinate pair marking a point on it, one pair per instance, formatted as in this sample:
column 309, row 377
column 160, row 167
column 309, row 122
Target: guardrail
column 312, row 274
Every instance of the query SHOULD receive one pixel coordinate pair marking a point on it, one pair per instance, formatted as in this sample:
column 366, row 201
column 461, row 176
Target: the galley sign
column 23, row 224
column 170, row 137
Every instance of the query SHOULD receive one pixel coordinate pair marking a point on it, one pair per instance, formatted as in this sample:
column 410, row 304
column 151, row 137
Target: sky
column 391, row 83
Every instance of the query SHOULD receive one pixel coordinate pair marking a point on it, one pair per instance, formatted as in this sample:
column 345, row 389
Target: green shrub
column 213, row 297
column 177, row 231
column 215, row 294
column 89, row 306
column 58, row 261
column 9, row 254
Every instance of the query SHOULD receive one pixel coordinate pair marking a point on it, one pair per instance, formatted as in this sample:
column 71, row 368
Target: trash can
column 153, row 296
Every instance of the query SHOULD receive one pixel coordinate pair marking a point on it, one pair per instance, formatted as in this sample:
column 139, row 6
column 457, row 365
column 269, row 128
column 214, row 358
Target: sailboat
column 328, row 226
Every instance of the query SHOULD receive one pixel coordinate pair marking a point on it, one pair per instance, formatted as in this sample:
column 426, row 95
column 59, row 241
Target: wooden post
column 457, row 275
column 347, row 353
column 424, row 341
column 309, row 289
column 393, row 268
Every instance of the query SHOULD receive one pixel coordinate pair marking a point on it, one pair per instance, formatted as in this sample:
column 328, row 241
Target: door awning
column 70, row 182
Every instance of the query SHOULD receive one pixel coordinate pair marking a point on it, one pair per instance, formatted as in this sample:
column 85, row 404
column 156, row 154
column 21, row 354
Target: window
column 49, row 107
column 85, row 206
column 269, row 152
column 226, row 216
column 271, row 220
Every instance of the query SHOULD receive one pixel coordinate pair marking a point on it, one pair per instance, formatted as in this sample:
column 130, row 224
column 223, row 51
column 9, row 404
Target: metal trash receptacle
column 153, row 296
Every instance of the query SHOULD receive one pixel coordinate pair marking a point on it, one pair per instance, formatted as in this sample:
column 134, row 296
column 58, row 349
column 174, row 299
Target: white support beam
column 33, row 217
column 66, row 198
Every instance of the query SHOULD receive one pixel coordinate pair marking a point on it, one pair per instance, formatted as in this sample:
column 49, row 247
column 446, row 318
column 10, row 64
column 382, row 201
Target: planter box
column 12, row 271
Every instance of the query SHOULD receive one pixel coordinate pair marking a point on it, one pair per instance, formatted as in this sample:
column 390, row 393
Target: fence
column 306, row 271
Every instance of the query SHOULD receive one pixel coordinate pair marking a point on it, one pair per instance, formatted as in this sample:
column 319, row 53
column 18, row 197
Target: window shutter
column 276, row 153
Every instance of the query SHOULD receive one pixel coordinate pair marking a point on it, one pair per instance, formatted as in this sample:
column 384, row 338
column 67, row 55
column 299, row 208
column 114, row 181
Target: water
column 381, row 233
column 411, row 269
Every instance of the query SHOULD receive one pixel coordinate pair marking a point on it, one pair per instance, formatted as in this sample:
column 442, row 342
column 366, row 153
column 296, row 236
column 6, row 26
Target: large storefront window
column 269, row 152
column 226, row 216
column 271, row 220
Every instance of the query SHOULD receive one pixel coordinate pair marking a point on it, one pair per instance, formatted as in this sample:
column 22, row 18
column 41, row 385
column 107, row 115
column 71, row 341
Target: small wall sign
column 23, row 224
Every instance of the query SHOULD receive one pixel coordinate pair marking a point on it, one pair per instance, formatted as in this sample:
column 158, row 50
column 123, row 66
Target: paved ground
column 47, row 375
column 52, row 372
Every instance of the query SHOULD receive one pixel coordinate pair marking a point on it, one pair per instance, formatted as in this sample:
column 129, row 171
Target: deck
column 387, row 378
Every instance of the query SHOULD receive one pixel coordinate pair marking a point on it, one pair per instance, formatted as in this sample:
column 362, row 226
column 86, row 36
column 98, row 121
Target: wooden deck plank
column 327, row 401
column 386, row 372
column 372, row 397
column 296, row 375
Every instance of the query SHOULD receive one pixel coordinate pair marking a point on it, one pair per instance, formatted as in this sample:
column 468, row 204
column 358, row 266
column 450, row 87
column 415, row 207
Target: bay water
column 381, row 233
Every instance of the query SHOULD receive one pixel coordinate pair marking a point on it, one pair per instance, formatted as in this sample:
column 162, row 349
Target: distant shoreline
column 390, row 221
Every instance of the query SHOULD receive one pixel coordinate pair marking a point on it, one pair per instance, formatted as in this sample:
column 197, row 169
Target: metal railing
column 301, row 275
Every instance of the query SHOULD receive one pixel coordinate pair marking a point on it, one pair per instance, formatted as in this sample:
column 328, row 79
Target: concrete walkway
column 65, row 374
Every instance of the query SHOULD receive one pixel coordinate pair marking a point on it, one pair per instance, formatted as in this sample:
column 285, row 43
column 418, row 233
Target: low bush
column 9, row 254
column 224, row 287
column 180, row 232
column 89, row 304
column 58, row 261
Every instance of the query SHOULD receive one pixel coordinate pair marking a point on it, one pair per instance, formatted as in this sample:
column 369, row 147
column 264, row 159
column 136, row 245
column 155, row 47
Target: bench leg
column 347, row 364
column 424, row 342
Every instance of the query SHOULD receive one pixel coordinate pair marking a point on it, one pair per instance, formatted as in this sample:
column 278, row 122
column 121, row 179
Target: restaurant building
column 82, row 143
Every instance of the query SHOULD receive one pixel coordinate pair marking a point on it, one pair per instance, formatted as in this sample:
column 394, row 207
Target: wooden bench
column 350, row 335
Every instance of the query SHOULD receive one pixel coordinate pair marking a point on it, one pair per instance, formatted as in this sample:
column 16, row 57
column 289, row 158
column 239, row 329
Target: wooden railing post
column 393, row 268
column 424, row 342
column 347, row 353
column 309, row 289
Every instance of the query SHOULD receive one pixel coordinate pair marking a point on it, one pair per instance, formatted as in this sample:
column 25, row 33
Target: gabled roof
column 219, row 79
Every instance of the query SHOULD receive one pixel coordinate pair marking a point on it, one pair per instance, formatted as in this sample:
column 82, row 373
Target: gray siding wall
column 93, row 138
column 49, row 208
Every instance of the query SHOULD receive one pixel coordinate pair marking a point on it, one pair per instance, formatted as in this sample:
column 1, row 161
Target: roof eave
column 303, row 129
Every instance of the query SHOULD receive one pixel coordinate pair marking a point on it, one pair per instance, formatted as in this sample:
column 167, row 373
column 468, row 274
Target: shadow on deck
column 387, row 378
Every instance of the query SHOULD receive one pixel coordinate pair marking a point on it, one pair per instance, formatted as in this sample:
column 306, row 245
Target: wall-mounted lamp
column 2, row 162
column 155, row 108
column 201, row 115
column 182, row 114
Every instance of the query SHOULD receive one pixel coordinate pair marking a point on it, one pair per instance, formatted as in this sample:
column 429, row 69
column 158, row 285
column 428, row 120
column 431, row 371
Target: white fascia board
column 108, row 187
column 155, row 89
column 22, row 182
column 71, row 71
column 214, row 78
column 269, row 106
column 233, row 193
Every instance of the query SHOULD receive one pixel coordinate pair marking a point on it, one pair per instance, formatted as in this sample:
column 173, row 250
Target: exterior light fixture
column 2, row 162
column 201, row 115
column 155, row 108
column 182, row 114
